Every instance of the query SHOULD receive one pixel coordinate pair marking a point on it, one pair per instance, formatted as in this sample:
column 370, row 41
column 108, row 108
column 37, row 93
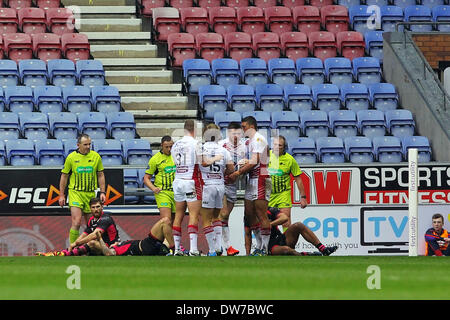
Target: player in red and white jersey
column 187, row 187
column 257, row 192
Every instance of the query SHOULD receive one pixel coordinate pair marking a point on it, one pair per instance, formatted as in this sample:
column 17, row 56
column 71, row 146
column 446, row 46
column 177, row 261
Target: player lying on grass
column 284, row 243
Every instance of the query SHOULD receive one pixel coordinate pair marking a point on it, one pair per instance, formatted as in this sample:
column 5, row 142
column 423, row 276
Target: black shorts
column 153, row 247
column 128, row 248
column 278, row 240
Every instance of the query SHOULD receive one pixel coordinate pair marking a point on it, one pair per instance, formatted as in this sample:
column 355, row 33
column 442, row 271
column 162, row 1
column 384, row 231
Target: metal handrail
column 408, row 23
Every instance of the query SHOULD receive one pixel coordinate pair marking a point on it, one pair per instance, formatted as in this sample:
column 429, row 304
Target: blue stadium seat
column 338, row 71
column 310, row 71
column 348, row 3
column 20, row 152
column 106, row 99
column 121, row 125
column 419, row 13
column 330, row 149
column 421, row 143
column 326, row 97
column 241, row 98
column 136, row 151
column 3, row 158
column 254, row 71
column 130, row 182
column 9, row 73
column 149, row 199
column 359, row 150
column 269, row 97
column 2, row 100
column 48, row 99
column 358, row 18
column 387, row 149
column 400, row 123
column 63, row 125
column 343, row 123
column 19, row 99
column 110, row 150
column 212, row 98
column 433, row 3
column 374, row 44
column 383, row 96
column 34, row 125
column 70, row 145
column 404, row 3
column 303, row 150
column 225, row 72
column 9, row 126
column 314, row 123
column 77, row 99
column 196, row 73
column 297, row 97
column 378, row 3
column 367, row 70
column 287, row 123
column 62, row 72
column 355, row 96
column 390, row 15
column 264, row 120
column 49, row 152
column 92, row 123
column 222, row 119
column 90, row 73
column 371, row 123
column 441, row 13
column 282, row 71
column 33, row 72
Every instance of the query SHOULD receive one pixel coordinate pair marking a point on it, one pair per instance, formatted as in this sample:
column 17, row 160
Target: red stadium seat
column 350, row 44
column 307, row 19
column 320, row 3
column 75, row 46
column 2, row 53
column 237, row 3
column 334, row 18
column 210, row 46
column 147, row 6
column 18, row 46
column 9, row 23
column 60, row 20
column 165, row 21
column 322, row 44
column 238, row 45
column 46, row 4
column 292, row 3
column 266, row 45
column 18, row 4
column 251, row 19
column 222, row 19
column 209, row 3
column 181, row 3
column 47, row 46
column 32, row 20
column 265, row 3
column 194, row 20
column 278, row 19
column 294, row 45
column 181, row 47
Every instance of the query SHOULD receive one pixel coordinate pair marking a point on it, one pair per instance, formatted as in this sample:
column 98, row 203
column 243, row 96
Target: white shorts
column 258, row 188
column 186, row 190
column 212, row 196
column 231, row 193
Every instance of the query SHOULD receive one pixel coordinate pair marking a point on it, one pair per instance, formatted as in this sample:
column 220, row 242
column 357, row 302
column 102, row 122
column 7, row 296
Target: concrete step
column 134, row 63
column 97, row 2
column 109, row 25
column 138, row 77
column 102, row 12
column 124, row 51
column 154, row 131
column 155, row 103
column 118, row 37
column 148, row 116
column 149, row 89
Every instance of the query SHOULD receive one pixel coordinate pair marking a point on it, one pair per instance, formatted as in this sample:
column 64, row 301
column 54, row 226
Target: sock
column 320, row 247
column 265, row 237
column 218, row 235
column 176, row 231
column 73, row 235
column 81, row 250
column 257, row 232
column 225, row 234
column 193, row 236
column 209, row 234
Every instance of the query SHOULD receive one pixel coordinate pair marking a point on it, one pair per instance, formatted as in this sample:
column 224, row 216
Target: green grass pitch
column 225, row 278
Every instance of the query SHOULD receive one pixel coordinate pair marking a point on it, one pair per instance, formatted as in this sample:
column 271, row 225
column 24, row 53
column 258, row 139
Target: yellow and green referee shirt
column 280, row 169
column 83, row 170
column 163, row 168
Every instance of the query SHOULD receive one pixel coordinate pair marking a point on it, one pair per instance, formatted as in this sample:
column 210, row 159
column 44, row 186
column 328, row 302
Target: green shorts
column 281, row 199
column 165, row 199
column 80, row 199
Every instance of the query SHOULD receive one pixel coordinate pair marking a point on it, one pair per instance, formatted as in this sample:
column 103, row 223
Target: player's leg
column 254, row 223
column 298, row 228
column 261, row 207
column 216, row 222
column 228, row 204
column 76, row 215
column 284, row 251
column 162, row 230
column 180, row 211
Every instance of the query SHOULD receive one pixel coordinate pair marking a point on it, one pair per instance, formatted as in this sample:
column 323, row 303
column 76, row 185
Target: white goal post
column 413, row 199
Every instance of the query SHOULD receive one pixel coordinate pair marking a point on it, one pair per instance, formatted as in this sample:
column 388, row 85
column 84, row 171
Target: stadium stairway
column 121, row 41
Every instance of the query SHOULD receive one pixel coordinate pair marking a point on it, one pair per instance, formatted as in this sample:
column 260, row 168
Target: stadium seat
column 264, row 3
column 320, row 3
column 106, row 99
column 350, row 44
column 47, row 4
column 355, row 96
column 266, row 45
column 121, row 125
column 400, row 123
column 194, row 20
column 287, row 123
column 314, row 123
column 310, row 71
column 441, row 13
column 19, row 99
column 326, row 97
column 378, row 3
column 110, row 150
column 60, row 20
column 269, row 97
column 418, row 13
column 33, row 72
column 210, row 46
column 3, row 158
column 343, row 123
column 367, row 70
column 34, row 125
column 251, row 20
column 9, row 73
column 374, row 44
column 348, row 3
column 18, row 46
column 241, row 98
column 433, row 3
column 9, row 126
column 32, row 20
column 181, row 46
column 359, row 150
column 359, row 16
column 49, row 152
column 307, row 19
column 70, row 145
column 131, row 183
column 303, row 150
column 338, row 71
column 322, row 44
column 387, row 149
column 77, row 99
column 222, row 119
column 150, row 199
column 330, row 149
column 75, row 46
column 18, row 4
column 371, row 123
column 390, row 15
column 62, row 72
column 282, row 71
column 20, row 152
column 254, row 71
column 136, row 151
column 180, row 3
column 278, row 19
column 292, row 3
column 238, row 45
column 225, row 72
column 63, row 125
column 2, row 101
column 383, row 96
column 212, row 99
column 237, row 3
column 404, row 3
column 421, row 143
column 294, row 45
column 297, row 97
column 334, row 18
column 9, row 22
column 93, row 123
column 146, row 6
column 90, row 73
column 222, row 20
column 46, row 46
column 166, row 20
column 196, row 73
column 48, row 99
column 264, row 120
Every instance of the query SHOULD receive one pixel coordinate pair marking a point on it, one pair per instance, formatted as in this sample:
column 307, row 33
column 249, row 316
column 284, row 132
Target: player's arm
column 62, row 188
column 149, row 184
column 303, row 202
column 102, row 185
column 252, row 163
column 207, row 161
column 432, row 241
column 85, row 237
column 281, row 219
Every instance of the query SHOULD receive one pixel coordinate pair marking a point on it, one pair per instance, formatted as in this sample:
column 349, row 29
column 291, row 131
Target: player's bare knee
column 165, row 220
